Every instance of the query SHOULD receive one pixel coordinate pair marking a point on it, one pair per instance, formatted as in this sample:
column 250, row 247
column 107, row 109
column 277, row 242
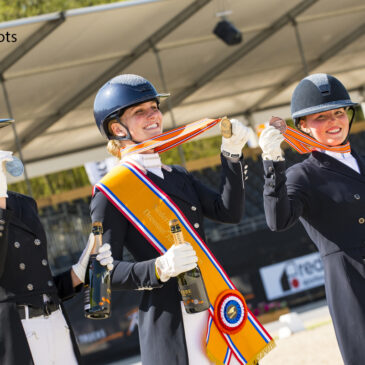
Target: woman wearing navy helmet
column 127, row 112
column 34, row 329
column 326, row 193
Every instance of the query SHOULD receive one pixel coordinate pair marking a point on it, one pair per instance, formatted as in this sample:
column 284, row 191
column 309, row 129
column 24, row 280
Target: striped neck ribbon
column 171, row 138
column 303, row 143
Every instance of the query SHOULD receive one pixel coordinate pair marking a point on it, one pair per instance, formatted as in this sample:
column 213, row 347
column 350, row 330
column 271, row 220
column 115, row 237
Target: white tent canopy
column 52, row 73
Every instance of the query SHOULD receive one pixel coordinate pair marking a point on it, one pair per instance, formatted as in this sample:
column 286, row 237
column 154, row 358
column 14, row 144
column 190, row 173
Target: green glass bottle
column 97, row 292
column 191, row 283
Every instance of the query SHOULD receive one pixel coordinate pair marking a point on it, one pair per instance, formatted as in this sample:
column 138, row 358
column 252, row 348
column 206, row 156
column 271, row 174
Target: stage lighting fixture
column 227, row 32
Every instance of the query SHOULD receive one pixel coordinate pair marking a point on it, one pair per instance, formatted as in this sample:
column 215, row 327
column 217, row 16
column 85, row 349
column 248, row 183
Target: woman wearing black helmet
column 127, row 111
column 326, row 192
column 34, row 328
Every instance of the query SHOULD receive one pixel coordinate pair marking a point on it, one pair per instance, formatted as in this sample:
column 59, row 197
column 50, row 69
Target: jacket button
column 270, row 169
column 30, row 287
column 1, row 234
column 2, row 221
column 37, row 242
column 1, row 227
column 50, row 283
column 357, row 196
column 361, row 220
column 16, row 244
column 44, row 262
column 193, row 208
column 196, row 225
column 22, row 266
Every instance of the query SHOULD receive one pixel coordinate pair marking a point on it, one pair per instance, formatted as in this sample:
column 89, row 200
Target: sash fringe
column 262, row 353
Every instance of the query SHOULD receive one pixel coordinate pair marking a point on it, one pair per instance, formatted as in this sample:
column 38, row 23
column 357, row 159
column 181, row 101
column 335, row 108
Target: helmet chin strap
column 350, row 124
column 127, row 137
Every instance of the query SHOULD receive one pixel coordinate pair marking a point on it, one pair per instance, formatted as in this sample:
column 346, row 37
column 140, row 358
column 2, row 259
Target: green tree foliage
column 15, row 9
column 55, row 183
column 193, row 150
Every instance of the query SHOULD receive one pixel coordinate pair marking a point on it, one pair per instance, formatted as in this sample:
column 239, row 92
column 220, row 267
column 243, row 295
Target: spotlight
column 228, row 33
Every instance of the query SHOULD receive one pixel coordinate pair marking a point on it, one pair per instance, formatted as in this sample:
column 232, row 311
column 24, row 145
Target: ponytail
column 114, row 147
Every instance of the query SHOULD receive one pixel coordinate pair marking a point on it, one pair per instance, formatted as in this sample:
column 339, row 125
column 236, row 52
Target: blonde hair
column 114, row 147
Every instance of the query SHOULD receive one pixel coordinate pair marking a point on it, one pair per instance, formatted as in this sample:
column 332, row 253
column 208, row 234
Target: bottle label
column 191, row 295
column 87, row 298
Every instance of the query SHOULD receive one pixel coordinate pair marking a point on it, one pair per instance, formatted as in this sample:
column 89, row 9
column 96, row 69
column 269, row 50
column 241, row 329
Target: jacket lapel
column 360, row 161
column 173, row 184
column 330, row 163
column 17, row 219
column 17, row 222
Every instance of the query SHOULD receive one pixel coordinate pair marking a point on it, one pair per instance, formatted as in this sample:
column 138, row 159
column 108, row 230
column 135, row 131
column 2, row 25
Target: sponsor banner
column 292, row 276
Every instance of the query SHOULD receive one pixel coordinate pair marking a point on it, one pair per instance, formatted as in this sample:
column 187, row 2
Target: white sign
column 97, row 169
column 292, row 276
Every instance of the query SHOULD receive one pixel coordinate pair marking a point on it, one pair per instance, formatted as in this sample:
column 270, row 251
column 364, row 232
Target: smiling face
column 330, row 127
column 143, row 121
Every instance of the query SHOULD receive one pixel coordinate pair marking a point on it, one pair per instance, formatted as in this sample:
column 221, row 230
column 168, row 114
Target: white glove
column 176, row 260
column 270, row 141
column 4, row 157
column 232, row 147
column 104, row 256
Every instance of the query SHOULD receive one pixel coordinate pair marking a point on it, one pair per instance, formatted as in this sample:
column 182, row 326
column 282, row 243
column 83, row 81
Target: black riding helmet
column 318, row 93
column 116, row 95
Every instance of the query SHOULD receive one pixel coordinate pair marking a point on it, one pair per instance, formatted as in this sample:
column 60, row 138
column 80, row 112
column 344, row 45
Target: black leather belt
column 46, row 310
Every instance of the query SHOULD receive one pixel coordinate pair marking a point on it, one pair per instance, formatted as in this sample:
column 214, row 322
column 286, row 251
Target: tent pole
column 169, row 105
column 300, row 46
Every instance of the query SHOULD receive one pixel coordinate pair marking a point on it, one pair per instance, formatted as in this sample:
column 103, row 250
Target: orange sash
column 232, row 330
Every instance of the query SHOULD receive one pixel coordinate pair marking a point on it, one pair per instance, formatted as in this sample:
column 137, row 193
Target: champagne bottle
column 191, row 283
column 97, row 293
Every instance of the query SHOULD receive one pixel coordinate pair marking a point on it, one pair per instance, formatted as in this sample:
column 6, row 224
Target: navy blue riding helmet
column 116, row 95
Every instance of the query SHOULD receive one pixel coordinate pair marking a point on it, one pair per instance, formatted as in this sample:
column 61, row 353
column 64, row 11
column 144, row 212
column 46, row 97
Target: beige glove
column 4, row 157
column 104, row 256
column 270, row 141
column 176, row 260
column 232, row 147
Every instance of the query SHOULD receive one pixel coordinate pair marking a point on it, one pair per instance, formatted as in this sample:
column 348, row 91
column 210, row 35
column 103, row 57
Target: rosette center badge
column 230, row 312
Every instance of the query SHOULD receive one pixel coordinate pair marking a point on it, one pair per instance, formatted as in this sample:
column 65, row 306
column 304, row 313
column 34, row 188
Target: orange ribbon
column 305, row 144
column 171, row 138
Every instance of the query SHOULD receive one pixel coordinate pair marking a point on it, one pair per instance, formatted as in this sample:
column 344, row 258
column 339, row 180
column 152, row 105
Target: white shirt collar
column 148, row 162
column 346, row 158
